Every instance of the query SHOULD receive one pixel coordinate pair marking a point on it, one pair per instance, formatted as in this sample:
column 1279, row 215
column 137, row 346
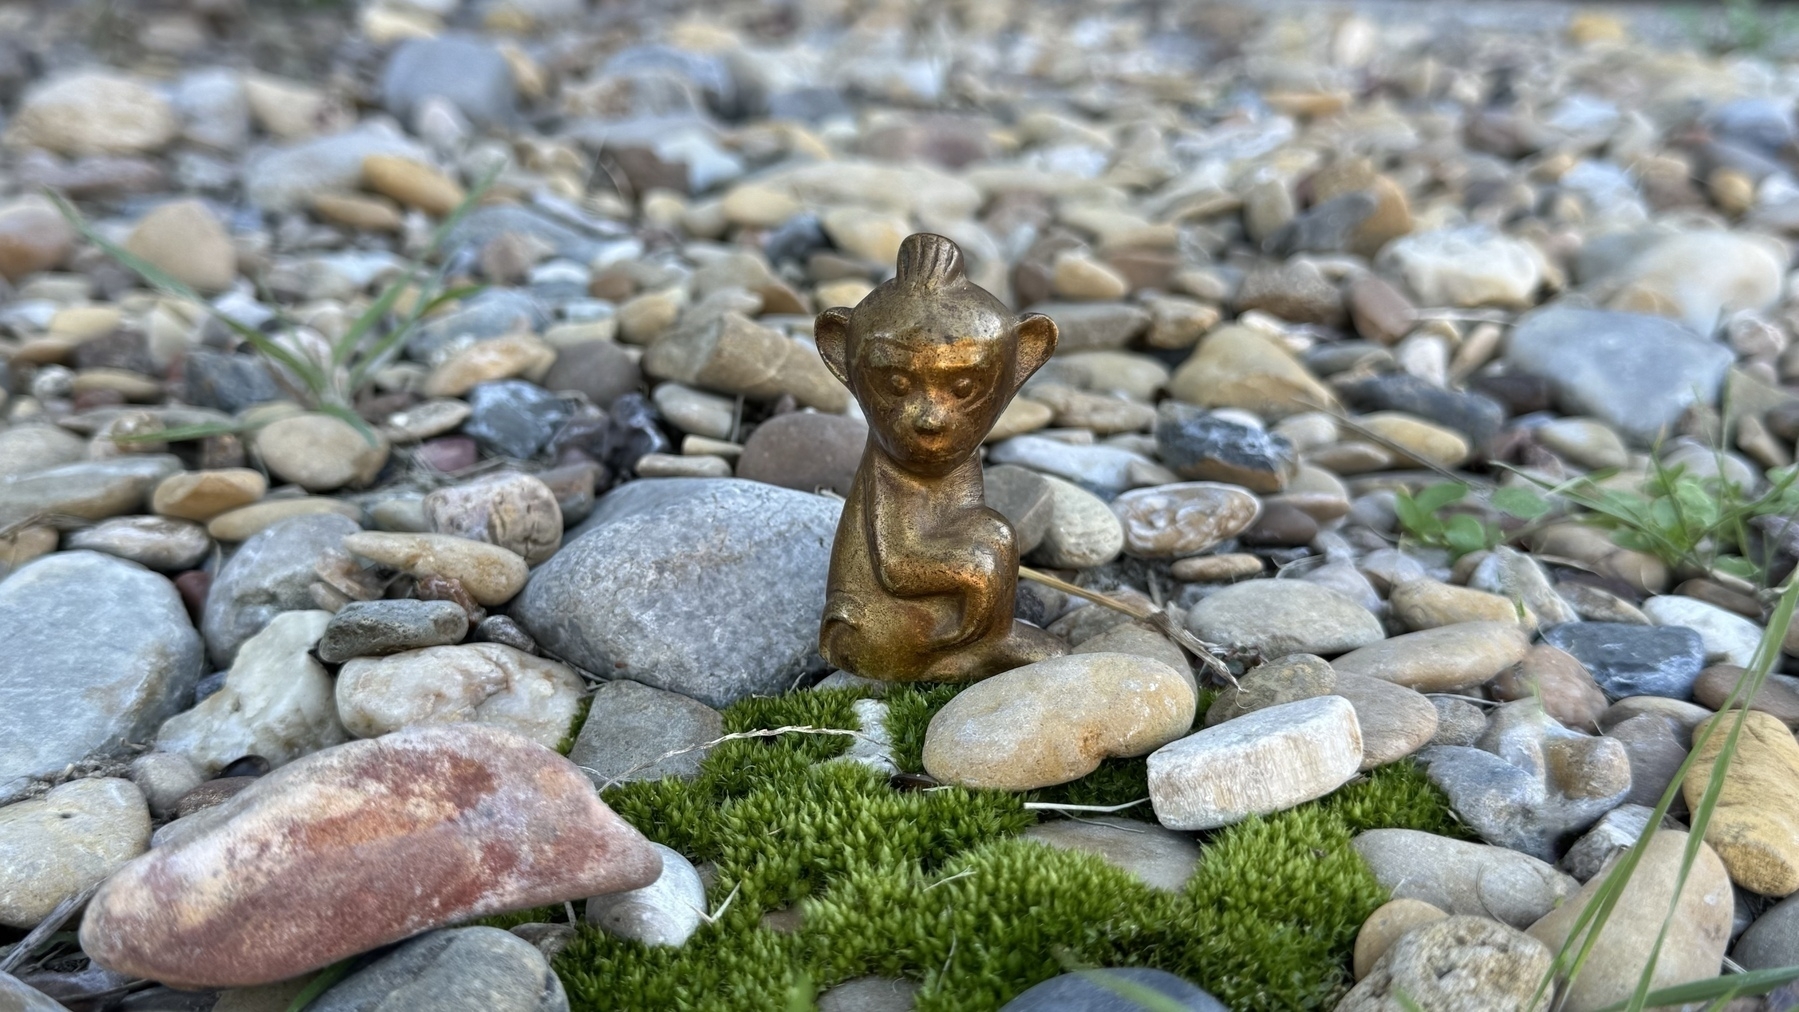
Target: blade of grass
column 354, row 420
column 182, row 433
column 319, row 984
column 1736, row 985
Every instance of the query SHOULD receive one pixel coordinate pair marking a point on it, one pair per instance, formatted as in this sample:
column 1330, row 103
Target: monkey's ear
column 832, row 331
column 1036, row 343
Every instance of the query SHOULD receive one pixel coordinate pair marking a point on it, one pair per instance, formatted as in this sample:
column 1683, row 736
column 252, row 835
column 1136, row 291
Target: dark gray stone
column 805, row 450
column 456, row 970
column 600, row 369
column 1326, row 228
column 1201, row 446
column 707, row 587
column 1656, row 750
column 469, row 72
column 1634, row 660
column 379, row 628
column 1022, row 496
column 1635, row 372
column 1085, row 992
column 16, row 996
column 98, row 652
column 231, row 383
column 513, row 418
column 1773, row 940
column 502, row 629
column 631, row 726
column 1473, row 415
column 269, row 574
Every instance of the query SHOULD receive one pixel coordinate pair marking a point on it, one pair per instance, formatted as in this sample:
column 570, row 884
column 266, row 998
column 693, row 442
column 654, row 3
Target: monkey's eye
column 963, row 388
column 899, row 383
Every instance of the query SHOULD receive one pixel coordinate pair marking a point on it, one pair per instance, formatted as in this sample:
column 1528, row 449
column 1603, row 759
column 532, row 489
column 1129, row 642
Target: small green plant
column 1423, row 520
column 370, row 342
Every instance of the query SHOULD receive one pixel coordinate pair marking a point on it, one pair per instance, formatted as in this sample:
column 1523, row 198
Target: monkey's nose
column 929, row 419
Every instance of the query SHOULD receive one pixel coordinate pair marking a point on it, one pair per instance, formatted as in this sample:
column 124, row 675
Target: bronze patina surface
column 923, row 574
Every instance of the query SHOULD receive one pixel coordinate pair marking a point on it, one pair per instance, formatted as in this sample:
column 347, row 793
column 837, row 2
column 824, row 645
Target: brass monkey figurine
column 923, row 574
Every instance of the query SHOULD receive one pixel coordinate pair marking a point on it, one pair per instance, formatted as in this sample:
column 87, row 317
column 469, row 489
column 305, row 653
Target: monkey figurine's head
column 932, row 358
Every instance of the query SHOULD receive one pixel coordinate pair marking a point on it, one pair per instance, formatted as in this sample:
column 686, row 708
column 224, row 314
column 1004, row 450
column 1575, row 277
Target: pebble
column 90, row 490
column 1388, row 924
column 203, row 495
column 805, row 450
column 1055, row 720
column 496, row 358
column 513, row 418
column 1518, row 577
column 55, row 846
column 1752, row 828
column 514, row 511
column 276, row 702
column 1728, row 637
column 1280, row 617
column 1172, row 521
column 1107, row 468
column 1459, row 722
column 1236, row 367
column 1470, row 266
column 1460, row 877
column 1530, row 784
column 1696, row 939
column 1587, row 442
column 1616, row 831
column 1779, row 694
column 1395, row 721
column 601, row 370
column 93, row 113
column 483, row 683
column 1558, row 681
column 285, row 179
column 666, row 912
column 1083, row 531
column 1195, row 444
column 270, row 573
column 1451, row 658
column 507, row 972
column 1023, row 497
column 1580, row 352
column 1081, row 992
column 1457, row 964
column 1428, row 604
column 33, row 237
column 480, row 818
column 24, row 998
column 186, row 241
column 1772, row 941
column 631, row 727
column 492, row 575
column 1160, row 858
column 29, row 448
column 864, row 994
column 1634, row 660
column 380, row 628
column 320, row 453
column 1223, row 568
column 1656, row 748
column 667, row 569
column 71, row 697
column 1095, row 326
column 246, row 522
column 153, row 542
column 1265, row 762
column 411, row 183
column 468, row 72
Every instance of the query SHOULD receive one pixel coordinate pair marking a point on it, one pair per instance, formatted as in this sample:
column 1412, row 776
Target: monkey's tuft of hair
column 929, row 261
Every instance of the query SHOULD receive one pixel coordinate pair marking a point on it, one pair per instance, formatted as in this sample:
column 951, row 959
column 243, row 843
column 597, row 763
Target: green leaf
column 1411, row 517
column 319, row 984
column 1751, row 983
column 1736, row 565
column 1520, row 502
column 1466, row 534
column 1435, row 497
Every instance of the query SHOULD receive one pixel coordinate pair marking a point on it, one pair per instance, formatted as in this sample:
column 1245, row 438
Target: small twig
column 45, row 928
column 1160, row 619
column 761, row 733
column 1053, row 807
column 961, row 874
column 1476, row 700
column 1105, row 825
column 712, row 918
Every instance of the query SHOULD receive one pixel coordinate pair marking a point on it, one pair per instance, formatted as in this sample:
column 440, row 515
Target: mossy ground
column 934, row 885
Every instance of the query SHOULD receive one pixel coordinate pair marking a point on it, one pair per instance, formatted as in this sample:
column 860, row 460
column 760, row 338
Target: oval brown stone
column 358, row 846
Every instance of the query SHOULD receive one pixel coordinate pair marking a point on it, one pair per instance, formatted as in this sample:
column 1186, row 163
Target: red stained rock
column 361, row 845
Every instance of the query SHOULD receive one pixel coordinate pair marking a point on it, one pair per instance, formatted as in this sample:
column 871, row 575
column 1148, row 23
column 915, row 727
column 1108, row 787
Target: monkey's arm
column 967, row 557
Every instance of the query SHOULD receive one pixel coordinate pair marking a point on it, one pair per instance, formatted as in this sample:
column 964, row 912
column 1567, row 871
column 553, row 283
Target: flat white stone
column 1728, row 636
column 665, row 912
column 1265, row 761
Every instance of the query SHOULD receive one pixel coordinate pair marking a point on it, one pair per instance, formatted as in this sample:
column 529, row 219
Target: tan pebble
column 239, row 524
column 491, row 574
column 203, row 495
column 186, row 241
column 1389, row 922
column 495, row 359
column 1217, row 568
column 1755, row 827
column 374, row 214
column 412, row 183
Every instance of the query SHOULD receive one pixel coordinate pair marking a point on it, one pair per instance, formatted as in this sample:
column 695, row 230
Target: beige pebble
column 491, row 574
column 203, row 495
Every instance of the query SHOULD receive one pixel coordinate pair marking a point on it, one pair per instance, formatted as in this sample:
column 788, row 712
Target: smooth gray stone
column 269, row 574
column 630, row 726
column 98, row 652
column 1773, row 940
column 66, row 496
column 1081, row 992
column 15, row 996
column 379, row 628
column 456, row 970
column 1635, row 372
column 715, row 595
column 468, row 71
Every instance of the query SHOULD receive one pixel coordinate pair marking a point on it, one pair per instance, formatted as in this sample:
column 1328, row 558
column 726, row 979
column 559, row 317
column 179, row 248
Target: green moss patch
column 934, row 885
